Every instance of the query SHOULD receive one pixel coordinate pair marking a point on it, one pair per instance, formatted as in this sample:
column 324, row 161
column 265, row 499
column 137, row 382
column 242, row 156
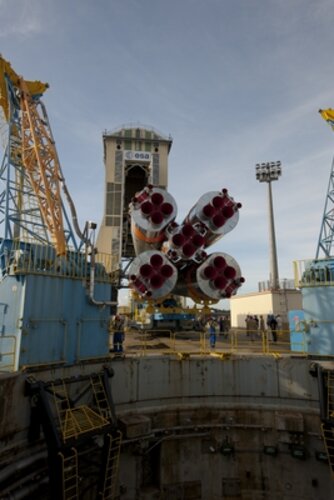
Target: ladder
column 62, row 405
column 328, row 436
column 73, row 412
column 327, row 415
column 100, row 396
column 70, row 480
column 108, row 489
column 330, row 394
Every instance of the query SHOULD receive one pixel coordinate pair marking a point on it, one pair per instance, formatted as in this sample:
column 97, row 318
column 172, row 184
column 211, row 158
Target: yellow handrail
column 193, row 343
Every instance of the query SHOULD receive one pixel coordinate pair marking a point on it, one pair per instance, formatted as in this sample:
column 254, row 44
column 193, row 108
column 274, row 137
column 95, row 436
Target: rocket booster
column 152, row 275
column 217, row 211
column 172, row 258
column 218, row 277
column 151, row 210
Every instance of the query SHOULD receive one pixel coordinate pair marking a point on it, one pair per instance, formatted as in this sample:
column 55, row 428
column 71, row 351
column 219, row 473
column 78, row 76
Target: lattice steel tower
column 326, row 236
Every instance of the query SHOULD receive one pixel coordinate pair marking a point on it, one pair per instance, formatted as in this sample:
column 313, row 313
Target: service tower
column 134, row 156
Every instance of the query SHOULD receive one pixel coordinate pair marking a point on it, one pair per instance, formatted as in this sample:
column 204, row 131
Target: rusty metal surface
column 178, row 413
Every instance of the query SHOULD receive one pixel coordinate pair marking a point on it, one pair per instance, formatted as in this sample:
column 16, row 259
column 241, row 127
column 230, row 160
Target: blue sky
column 235, row 82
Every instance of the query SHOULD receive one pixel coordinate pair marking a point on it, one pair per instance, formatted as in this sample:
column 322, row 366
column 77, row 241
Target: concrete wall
column 202, row 428
column 185, row 416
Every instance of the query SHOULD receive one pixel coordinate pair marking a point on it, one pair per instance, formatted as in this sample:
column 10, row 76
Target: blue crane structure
column 55, row 290
column 312, row 329
column 326, row 236
column 55, row 303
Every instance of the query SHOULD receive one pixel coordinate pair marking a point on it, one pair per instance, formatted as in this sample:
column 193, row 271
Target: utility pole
column 269, row 172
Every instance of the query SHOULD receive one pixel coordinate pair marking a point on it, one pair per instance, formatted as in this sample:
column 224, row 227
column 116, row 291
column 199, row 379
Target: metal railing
column 310, row 273
column 26, row 258
column 191, row 343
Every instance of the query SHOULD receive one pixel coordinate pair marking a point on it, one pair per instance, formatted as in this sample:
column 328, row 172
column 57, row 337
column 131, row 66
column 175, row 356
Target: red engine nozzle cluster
column 186, row 241
column 172, row 256
column 151, row 274
column 221, row 275
column 219, row 209
column 156, row 209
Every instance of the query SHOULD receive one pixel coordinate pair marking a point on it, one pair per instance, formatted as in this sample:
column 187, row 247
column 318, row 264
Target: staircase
column 79, row 424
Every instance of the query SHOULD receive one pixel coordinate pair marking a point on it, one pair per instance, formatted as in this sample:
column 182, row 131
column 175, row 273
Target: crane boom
column 31, row 206
column 40, row 160
column 31, row 149
column 34, row 87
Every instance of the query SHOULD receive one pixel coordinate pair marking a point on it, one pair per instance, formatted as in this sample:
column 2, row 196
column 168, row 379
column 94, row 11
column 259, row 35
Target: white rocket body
column 172, row 258
column 151, row 211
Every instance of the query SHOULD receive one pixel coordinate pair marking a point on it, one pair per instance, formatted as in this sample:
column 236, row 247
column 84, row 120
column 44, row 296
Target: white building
column 269, row 301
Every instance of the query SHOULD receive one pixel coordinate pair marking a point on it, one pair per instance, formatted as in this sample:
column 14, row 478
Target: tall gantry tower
column 134, row 156
column 326, row 236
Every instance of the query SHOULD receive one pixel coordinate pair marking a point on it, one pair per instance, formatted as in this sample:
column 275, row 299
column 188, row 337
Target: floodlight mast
column 269, row 172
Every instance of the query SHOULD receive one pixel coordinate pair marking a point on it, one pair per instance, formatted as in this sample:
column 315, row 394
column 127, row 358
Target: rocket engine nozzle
column 216, row 278
column 152, row 275
column 151, row 210
column 185, row 242
column 172, row 257
column 217, row 211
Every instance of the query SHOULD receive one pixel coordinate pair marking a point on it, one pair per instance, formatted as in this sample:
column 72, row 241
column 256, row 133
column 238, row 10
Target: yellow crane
column 33, row 146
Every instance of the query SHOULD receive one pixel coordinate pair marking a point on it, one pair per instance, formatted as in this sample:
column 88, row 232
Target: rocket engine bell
column 151, row 210
column 172, row 257
column 185, row 242
column 218, row 277
column 217, row 211
column 152, row 275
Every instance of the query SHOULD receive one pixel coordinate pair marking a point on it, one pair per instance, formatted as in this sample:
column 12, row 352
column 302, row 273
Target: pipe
column 18, row 466
column 99, row 303
column 24, row 492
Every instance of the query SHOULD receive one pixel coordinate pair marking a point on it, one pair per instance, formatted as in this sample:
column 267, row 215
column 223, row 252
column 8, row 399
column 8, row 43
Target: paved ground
column 192, row 343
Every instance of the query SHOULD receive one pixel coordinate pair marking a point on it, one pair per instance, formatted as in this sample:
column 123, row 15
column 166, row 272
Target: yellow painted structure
column 33, row 87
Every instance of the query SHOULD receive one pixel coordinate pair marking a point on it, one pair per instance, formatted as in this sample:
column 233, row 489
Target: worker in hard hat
column 118, row 337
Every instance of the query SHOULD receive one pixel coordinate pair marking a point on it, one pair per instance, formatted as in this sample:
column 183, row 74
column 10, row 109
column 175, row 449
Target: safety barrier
column 192, row 343
column 7, row 353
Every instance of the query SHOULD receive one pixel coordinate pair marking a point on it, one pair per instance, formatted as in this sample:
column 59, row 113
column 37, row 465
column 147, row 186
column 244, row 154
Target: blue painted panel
column 60, row 323
column 298, row 341
column 11, row 297
column 318, row 305
column 11, row 305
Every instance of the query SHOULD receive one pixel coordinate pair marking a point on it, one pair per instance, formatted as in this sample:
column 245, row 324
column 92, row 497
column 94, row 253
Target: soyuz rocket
column 172, row 257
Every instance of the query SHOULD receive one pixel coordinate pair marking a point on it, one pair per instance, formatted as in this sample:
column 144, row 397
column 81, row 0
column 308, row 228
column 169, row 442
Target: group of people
column 256, row 325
